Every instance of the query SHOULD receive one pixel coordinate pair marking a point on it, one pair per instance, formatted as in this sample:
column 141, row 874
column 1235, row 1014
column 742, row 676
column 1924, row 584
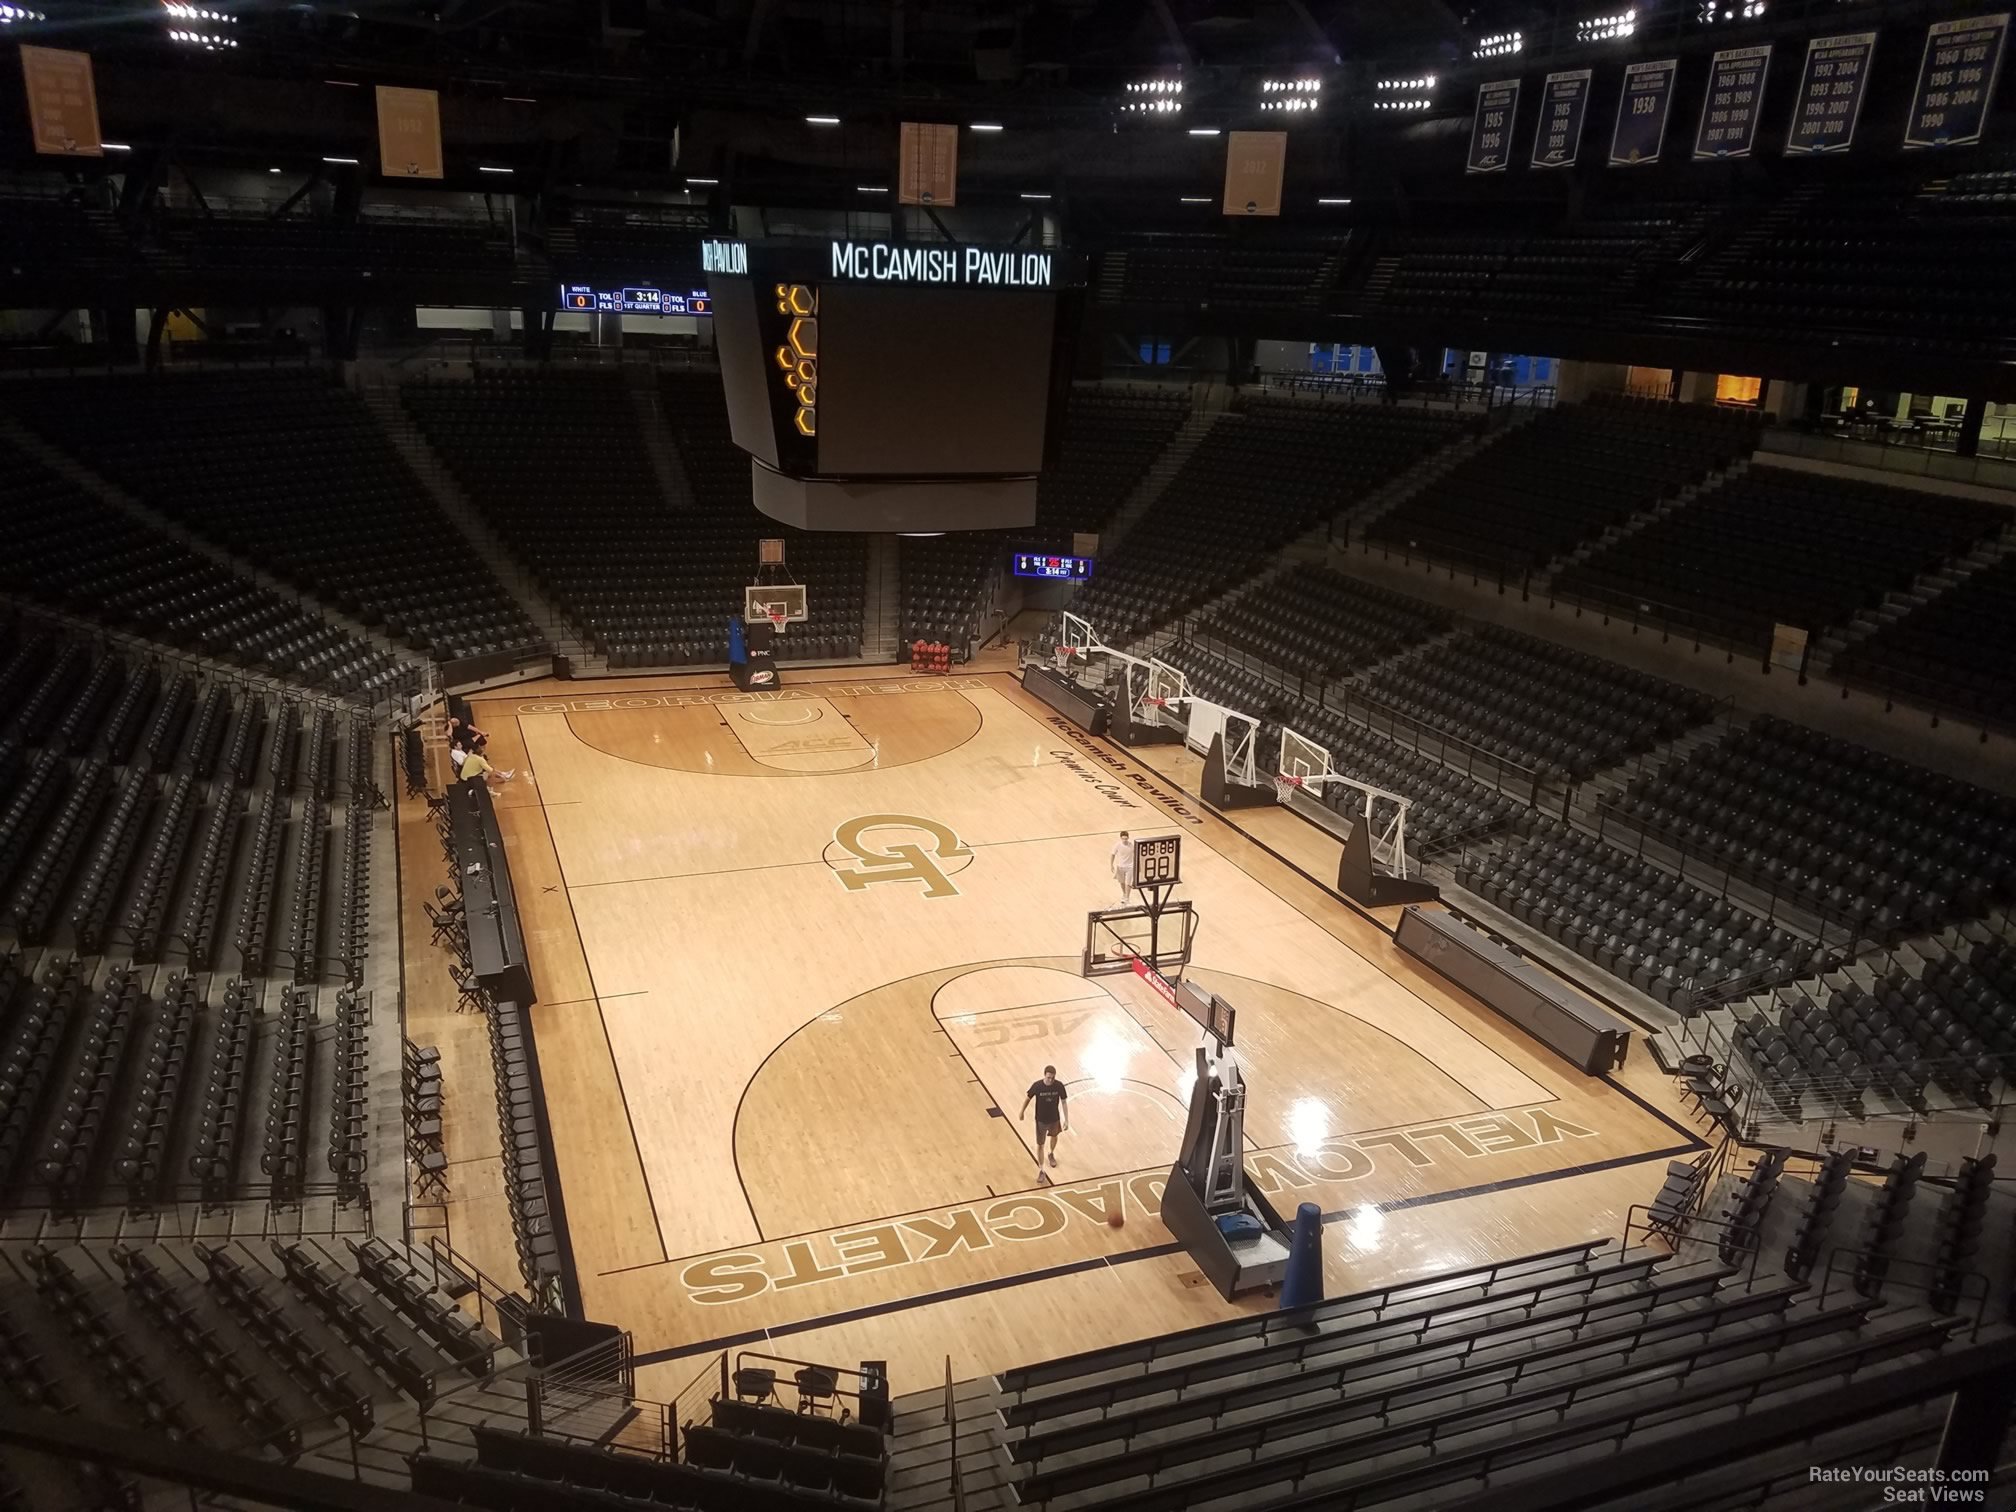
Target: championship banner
column 1641, row 113
column 1564, row 101
column 409, row 132
column 1956, row 80
column 1491, row 128
column 1734, row 101
column 927, row 164
column 1254, row 164
column 62, row 102
column 1831, row 89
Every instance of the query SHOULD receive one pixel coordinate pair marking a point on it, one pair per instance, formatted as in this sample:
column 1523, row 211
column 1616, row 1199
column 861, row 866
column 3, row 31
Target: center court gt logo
column 898, row 858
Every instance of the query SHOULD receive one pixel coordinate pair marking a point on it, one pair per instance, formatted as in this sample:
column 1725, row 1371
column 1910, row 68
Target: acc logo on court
column 899, row 859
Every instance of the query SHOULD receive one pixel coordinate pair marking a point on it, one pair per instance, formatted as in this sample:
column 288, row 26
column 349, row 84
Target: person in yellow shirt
column 476, row 768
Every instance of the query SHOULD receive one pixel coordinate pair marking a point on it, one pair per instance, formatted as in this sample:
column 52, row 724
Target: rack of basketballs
column 930, row 656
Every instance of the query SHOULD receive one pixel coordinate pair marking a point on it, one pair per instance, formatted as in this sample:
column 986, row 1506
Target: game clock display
column 1066, row 569
column 634, row 301
column 1158, row 859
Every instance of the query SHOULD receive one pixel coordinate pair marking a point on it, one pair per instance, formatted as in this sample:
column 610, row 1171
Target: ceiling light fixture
column 986, row 126
column 1196, row 199
column 1499, row 46
column 708, row 182
column 822, row 120
column 342, row 162
column 1332, row 201
column 871, row 188
column 486, row 168
column 1203, row 131
column 1607, row 28
column 1034, row 196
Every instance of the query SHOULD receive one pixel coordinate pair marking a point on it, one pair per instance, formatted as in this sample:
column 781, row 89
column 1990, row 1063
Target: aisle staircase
column 382, row 400
column 882, row 606
column 1657, row 510
column 1161, row 473
column 1398, row 490
column 79, row 476
column 649, row 405
column 1924, row 588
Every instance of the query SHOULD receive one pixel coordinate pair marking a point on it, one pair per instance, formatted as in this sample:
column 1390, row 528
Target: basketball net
column 777, row 618
column 1286, row 787
column 1064, row 656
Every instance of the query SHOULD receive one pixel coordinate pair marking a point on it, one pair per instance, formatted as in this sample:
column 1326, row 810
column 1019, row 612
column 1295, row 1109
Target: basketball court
column 800, row 954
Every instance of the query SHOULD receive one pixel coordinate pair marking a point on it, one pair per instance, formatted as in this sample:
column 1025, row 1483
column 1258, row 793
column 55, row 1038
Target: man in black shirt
column 1050, row 1096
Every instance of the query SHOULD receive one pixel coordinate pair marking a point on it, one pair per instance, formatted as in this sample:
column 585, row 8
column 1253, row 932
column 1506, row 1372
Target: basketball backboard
column 762, row 600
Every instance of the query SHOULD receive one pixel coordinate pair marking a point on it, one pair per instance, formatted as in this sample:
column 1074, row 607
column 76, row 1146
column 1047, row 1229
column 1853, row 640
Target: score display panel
column 1065, row 569
column 1158, row 860
column 635, row 300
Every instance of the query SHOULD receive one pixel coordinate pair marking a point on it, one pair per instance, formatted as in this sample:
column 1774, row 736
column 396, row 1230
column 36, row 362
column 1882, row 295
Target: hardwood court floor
column 800, row 955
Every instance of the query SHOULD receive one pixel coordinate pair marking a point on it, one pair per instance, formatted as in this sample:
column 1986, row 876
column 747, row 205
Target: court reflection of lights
column 1105, row 1060
column 1308, row 1124
column 1364, row 1227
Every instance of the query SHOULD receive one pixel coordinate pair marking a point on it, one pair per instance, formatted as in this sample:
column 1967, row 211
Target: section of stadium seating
column 264, row 1347
column 1572, row 273
column 650, row 583
column 946, row 587
column 1232, row 272
column 1111, row 436
column 1261, row 478
column 1329, row 1407
column 1951, row 655
column 668, row 585
column 1446, row 806
column 1848, row 254
column 290, row 472
column 1563, row 478
column 1564, row 713
column 1317, row 624
column 1778, row 546
column 70, row 550
column 1678, row 943
column 1854, row 837
column 131, row 1061
column 751, row 1454
column 1935, row 1027
column 382, row 244
column 653, row 246
column 520, row 441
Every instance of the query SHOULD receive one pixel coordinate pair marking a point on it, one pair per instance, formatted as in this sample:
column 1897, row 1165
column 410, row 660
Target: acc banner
column 1564, row 101
column 1641, row 113
column 1491, row 131
column 1735, row 99
column 1831, row 87
column 927, row 164
column 409, row 132
column 62, row 102
column 1956, row 80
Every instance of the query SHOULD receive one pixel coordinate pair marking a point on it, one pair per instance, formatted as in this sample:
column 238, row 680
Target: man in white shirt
column 1123, row 866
